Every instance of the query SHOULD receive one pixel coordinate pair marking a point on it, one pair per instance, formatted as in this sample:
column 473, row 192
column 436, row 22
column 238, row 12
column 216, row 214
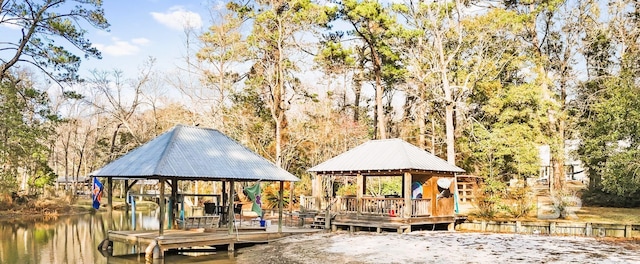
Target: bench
column 194, row 222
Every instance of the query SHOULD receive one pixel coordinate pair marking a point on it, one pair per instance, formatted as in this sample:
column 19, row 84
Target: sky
column 146, row 28
column 140, row 29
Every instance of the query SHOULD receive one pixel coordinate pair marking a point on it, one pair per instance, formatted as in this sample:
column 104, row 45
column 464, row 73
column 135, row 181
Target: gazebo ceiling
column 385, row 157
column 194, row 153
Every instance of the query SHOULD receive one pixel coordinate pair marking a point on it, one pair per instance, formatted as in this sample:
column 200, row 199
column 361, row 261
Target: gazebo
column 192, row 154
column 427, row 196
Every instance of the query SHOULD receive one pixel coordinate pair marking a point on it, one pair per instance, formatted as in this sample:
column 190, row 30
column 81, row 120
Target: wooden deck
column 383, row 213
column 402, row 225
column 178, row 239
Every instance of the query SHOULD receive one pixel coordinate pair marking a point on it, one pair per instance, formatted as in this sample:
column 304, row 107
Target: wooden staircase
column 320, row 220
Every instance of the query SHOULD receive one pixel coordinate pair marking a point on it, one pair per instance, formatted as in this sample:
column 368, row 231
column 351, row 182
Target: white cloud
column 178, row 18
column 122, row 48
column 10, row 26
column 219, row 5
column 140, row 41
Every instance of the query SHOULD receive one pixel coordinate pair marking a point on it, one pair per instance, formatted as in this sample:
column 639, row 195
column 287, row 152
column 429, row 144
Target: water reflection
column 74, row 239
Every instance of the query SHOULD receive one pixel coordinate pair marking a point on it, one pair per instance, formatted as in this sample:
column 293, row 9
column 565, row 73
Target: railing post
column 318, row 201
column 407, row 210
column 360, row 192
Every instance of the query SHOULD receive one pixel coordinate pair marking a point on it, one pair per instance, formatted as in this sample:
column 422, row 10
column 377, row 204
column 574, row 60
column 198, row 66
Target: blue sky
column 143, row 28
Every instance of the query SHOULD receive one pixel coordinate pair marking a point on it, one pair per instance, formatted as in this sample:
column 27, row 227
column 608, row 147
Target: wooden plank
column 173, row 239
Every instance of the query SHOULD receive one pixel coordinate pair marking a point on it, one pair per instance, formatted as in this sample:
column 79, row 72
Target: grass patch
column 605, row 215
column 609, row 215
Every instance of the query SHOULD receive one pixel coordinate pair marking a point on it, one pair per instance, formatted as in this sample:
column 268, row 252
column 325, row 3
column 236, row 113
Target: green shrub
column 517, row 202
column 600, row 198
column 488, row 196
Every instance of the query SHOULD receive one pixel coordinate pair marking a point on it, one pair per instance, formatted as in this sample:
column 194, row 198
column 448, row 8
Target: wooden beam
column 131, row 185
column 225, row 197
column 162, row 209
column 407, row 179
column 291, row 189
column 231, row 214
column 110, row 201
column 316, row 186
column 360, row 182
column 280, row 206
column 174, row 201
column 318, row 191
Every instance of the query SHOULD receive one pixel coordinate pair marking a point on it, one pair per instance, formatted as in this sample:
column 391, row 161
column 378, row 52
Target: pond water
column 75, row 239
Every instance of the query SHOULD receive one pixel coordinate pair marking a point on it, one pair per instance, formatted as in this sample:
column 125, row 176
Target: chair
column 237, row 209
column 209, row 208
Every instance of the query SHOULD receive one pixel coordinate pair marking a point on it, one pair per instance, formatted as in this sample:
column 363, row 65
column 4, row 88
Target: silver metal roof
column 194, row 153
column 385, row 155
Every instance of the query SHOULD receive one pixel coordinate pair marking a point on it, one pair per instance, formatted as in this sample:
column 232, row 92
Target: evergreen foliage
column 43, row 23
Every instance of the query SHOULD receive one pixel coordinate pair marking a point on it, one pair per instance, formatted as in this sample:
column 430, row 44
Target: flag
column 253, row 193
column 96, row 193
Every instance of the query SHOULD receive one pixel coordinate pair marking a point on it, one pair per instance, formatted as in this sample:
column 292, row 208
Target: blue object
column 97, row 193
column 416, row 190
column 263, row 223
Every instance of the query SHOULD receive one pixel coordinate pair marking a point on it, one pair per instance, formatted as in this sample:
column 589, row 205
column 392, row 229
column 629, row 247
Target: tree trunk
column 422, row 130
column 113, row 142
column 357, row 87
column 448, row 116
column 380, row 122
column 278, row 143
column 451, row 152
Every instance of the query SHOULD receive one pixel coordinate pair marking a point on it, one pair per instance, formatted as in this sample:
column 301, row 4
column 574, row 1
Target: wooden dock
column 156, row 245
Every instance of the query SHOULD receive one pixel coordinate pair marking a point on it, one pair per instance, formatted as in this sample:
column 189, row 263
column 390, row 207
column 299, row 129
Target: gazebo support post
column 174, row 202
column 231, row 214
column 161, row 204
column 360, row 183
column 225, row 219
column 291, row 188
column 126, row 197
column 316, row 191
column 280, row 206
column 407, row 179
column 110, row 201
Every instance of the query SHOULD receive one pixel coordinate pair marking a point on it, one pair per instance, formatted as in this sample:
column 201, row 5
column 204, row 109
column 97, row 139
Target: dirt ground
column 439, row 247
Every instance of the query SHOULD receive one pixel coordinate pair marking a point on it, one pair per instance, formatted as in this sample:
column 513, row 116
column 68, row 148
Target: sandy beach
column 440, row 247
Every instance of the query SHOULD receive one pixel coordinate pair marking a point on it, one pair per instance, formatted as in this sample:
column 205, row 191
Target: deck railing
column 310, row 203
column 420, row 207
column 382, row 206
column 345, row 204
column 377, row 206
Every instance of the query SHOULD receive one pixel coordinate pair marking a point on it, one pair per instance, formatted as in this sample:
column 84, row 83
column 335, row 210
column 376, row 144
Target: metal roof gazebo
column 428, row 187
column 192, row 153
